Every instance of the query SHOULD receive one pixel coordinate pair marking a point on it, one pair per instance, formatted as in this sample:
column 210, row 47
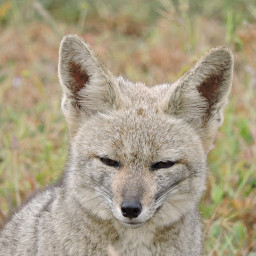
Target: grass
column 154, row 45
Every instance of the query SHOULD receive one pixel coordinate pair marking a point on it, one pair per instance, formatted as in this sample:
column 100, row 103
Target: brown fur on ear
column 209, row 89
column 87, row 85
column 80, row 77
column 200, row 95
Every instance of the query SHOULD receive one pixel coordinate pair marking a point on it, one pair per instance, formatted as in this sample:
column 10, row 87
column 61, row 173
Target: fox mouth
column 132, row 224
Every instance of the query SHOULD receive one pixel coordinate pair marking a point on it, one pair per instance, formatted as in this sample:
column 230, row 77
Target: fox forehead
column 139, row 131
column 138, row 94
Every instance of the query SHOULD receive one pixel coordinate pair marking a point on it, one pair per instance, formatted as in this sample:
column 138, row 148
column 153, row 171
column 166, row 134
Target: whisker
column 99, row 187
column 92, row 198
column 162, row 194
column 94, row 208
column 176, row 207
column 104, row 192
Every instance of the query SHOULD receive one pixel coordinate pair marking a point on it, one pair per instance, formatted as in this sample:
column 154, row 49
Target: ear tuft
column 74, row 64
column 200, row 95
column 216, row 83
column 88, row 87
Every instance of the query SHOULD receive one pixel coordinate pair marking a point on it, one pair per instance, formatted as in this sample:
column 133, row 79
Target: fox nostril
column 131, row 209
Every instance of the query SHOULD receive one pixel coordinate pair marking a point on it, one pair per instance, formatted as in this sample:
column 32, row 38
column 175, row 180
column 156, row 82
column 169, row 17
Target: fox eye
column 162, row 165
column 109, row 162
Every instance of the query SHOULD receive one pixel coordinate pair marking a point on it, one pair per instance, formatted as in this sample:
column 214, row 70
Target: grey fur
column 110, row 117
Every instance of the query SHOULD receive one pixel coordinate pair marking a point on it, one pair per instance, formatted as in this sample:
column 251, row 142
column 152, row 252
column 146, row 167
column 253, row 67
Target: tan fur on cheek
column 150, row 189
column 117, row 185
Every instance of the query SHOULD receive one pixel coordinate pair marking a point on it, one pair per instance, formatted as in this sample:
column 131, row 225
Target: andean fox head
column 138, row 154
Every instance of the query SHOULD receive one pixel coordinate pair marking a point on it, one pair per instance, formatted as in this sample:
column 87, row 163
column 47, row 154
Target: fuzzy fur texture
column 135, row 127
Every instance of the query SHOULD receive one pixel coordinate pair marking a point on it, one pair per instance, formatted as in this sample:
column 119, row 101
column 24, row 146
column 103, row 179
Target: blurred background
column 152, row 41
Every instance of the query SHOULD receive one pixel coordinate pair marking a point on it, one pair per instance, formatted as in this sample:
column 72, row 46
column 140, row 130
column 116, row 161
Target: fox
column 137, row 162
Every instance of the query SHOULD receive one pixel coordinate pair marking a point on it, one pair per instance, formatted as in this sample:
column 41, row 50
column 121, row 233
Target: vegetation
column 147, row 40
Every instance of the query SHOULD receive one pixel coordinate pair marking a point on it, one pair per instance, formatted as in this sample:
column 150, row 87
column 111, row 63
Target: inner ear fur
column 79, row 76
column 200, row 95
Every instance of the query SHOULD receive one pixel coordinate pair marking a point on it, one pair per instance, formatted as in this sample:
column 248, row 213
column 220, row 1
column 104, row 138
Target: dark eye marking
column 109, row 162
column 162, row 165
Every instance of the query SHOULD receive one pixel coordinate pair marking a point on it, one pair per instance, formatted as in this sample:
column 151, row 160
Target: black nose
column 131, row 209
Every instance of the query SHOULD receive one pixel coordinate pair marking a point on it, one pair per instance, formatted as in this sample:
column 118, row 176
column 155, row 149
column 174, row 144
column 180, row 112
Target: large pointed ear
column 200, row 95
column 87, row 86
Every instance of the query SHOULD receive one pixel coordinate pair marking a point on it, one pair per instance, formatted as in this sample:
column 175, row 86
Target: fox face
column 141, row 165
column 138, row 154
